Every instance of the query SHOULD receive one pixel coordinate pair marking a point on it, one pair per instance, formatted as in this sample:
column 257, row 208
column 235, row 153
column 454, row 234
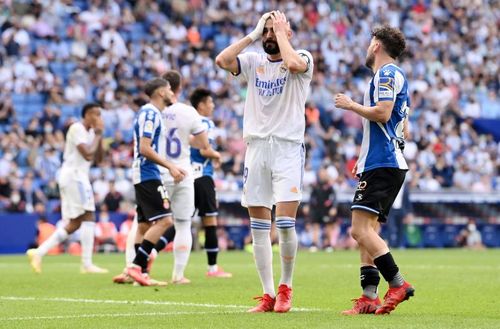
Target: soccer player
column 181, row 121
column 83, row 146
column 273, row 128
column 205, row 199
column 153, row 205
column 381, row 169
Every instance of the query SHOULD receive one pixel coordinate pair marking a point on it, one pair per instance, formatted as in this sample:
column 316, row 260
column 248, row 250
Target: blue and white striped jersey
column 203, row 166
column 148, row 123
column 379, row 147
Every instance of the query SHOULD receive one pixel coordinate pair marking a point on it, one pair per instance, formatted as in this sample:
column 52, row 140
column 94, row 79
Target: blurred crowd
column 58, row 54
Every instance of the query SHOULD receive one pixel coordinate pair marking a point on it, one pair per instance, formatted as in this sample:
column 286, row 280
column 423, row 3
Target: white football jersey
column 72, row 159
column 275, row 103
column 181, row 121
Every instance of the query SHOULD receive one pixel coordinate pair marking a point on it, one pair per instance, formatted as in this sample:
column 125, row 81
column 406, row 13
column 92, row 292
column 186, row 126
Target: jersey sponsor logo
column 386, row 87
column 270, row 87
column 148, row 127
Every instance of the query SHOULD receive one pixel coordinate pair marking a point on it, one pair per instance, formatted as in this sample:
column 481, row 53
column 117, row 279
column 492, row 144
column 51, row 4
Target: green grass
column 454, row 289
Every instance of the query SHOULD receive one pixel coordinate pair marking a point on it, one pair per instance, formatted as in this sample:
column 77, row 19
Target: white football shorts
column 77, row 195
column 181, row 198
column 273, row 172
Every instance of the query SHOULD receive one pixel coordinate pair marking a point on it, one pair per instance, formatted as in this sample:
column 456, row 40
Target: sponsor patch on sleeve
column 386, row 88
column 148, row 127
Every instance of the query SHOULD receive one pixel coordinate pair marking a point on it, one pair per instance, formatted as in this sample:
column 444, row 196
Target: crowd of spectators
column 58, row 54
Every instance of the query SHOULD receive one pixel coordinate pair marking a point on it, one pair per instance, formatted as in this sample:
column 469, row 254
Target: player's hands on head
column 343, row 102
column 280, row 24
column 177, row 173
column 257, row 32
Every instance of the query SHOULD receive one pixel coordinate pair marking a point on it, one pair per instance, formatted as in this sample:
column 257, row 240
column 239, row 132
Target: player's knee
column 358, row 232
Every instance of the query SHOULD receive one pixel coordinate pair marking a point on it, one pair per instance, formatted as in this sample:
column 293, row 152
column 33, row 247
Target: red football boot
column 283, row 299
column 394, row 296
column 363, row 305
column 266, row 304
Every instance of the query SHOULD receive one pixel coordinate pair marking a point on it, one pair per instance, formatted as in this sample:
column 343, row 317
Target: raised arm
column 292, row 60
column 227, row 59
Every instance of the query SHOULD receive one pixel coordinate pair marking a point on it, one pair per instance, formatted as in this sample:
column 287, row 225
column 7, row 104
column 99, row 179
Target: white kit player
column 83, row 146
column 273, row 128
column 181, row 121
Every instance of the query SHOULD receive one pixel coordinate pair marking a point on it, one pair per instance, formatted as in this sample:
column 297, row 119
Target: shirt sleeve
column 304, row 54
column 246, row 62
column 197, row 126
column 385, row 86
column 147, row 124
column 78, row 134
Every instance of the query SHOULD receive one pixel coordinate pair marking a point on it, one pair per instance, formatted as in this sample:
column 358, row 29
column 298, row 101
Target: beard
column 370, row 60
column 271, row 47
column 167, row 101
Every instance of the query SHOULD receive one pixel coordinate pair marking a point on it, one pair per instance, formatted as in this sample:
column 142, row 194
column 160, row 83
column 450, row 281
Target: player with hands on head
column 273, row 129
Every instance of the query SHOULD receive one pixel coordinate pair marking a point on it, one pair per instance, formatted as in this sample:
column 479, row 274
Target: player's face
column 370, row 55
column 94, row 114
column 167, row 94
column 269, row 42
column 209, row 106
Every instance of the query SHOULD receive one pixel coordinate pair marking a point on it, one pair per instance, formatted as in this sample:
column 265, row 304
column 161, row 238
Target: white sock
column 87, row 233
column 183, row 242
column 129, row 247
column 288, row 247
column 56, row 238
column 263, row 253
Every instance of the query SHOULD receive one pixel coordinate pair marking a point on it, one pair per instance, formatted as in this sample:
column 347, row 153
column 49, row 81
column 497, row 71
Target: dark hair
column 152, row 85
column 392, row 39
column 89, row 106
column 199, row 95
column 174, row 78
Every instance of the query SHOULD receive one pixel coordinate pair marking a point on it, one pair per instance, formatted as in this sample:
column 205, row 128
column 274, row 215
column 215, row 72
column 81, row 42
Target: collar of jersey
column 276, row 61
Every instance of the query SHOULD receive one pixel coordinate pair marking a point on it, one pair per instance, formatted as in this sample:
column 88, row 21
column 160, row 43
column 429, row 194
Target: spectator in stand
column 113, row 199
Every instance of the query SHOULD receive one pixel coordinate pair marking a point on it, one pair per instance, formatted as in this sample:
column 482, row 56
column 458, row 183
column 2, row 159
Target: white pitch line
column 105, row 315
column 138, row 302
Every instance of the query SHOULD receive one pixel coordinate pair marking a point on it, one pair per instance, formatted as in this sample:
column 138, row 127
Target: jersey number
column 173, row 144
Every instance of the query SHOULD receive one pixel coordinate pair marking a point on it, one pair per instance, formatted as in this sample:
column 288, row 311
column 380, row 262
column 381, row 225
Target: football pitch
column 454, row 289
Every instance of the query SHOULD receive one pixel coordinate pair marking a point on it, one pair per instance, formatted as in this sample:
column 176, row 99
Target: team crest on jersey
column 283, row 68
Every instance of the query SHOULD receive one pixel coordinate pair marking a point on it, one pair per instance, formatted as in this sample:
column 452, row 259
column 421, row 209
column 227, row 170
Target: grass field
column 454, row 289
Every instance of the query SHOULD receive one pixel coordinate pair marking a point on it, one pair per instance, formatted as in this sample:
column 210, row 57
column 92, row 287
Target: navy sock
column 211, row 244
column 141, row 258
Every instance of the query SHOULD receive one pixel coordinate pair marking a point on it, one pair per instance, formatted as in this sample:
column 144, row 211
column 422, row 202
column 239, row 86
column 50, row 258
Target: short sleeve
column 246, row 62
column 304, row 54
column 78, row 134
column 197, row 126
column 147, row 123
column 385, row 86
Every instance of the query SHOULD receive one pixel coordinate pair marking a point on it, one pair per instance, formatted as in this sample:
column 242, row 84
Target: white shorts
column 273, row 172
column 181, row 198
column 77, row 195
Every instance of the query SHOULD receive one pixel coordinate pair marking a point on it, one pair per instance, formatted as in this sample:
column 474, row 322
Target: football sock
column 389, row 270
column 183, row 242
column 167, row 237
column 142, row 254
column 288, row 247
column 370, row 278
column 56, row 238
column 211, row 244
column 87, row 233
column 130, row 249
column 263, row 253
